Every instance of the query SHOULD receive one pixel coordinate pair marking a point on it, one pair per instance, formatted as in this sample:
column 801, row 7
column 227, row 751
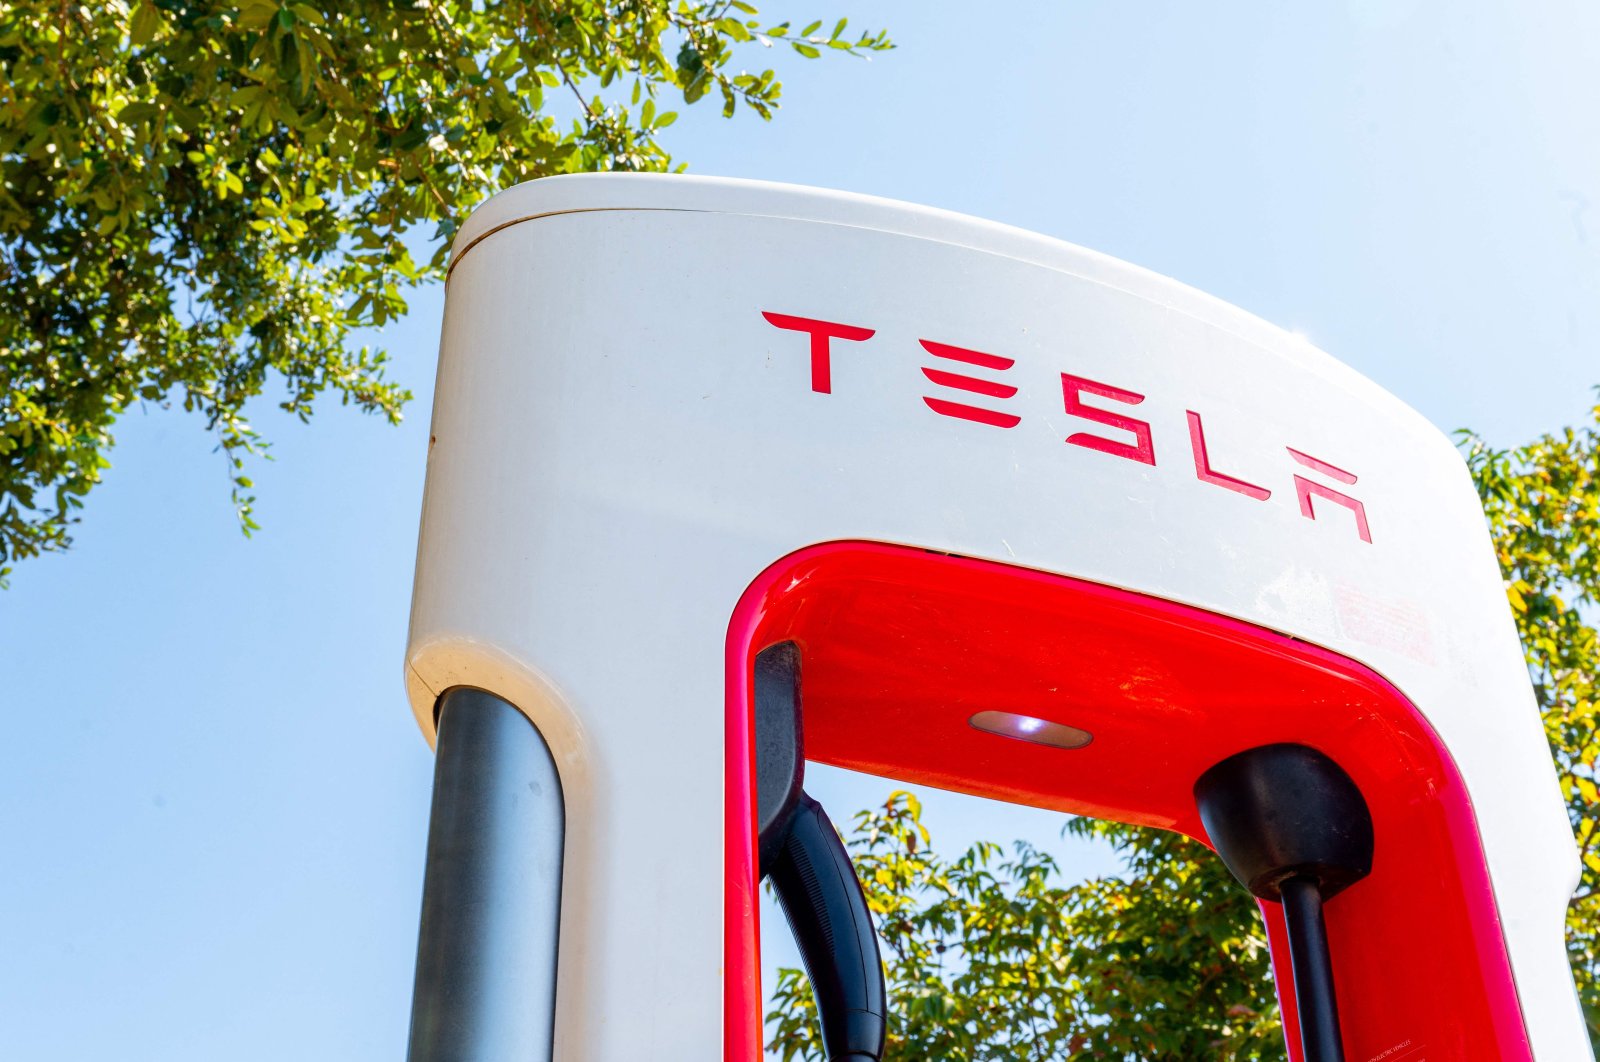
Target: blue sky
column 213, row 798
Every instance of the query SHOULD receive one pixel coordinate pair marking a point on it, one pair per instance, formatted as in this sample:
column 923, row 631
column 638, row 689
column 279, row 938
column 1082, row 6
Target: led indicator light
column 1031, row 729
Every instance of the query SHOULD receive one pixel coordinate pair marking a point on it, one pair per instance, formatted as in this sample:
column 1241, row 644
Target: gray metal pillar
column 491, row 898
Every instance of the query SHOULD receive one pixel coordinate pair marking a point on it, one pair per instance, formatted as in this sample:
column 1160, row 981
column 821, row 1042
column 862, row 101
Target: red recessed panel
column 900, row 647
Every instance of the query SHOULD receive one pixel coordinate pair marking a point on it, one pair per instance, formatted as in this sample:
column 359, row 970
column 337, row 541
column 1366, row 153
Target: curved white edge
column 575, row 193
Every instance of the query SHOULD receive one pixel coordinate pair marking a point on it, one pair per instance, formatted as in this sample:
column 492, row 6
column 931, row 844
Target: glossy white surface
column 622, row 442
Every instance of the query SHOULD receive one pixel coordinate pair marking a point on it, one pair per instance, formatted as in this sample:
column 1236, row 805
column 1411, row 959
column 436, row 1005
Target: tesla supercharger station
column 1021, row 521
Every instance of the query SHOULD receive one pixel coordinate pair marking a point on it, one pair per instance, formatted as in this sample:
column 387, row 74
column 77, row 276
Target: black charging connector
column 1293, row 828
column 811, row 872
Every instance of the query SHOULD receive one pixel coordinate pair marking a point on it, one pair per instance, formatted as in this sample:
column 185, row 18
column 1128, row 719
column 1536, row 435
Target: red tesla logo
column 1127, row 437
column 971, row 384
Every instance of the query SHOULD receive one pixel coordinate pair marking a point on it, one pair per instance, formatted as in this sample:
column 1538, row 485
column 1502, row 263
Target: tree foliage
column 992, row 957
column 199, row 196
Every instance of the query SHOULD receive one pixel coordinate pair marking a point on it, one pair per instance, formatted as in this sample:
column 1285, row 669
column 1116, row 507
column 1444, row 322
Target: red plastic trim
column 901, row 646
column 741, row 950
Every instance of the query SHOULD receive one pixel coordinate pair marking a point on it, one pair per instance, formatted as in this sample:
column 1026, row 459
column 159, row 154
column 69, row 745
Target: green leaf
column 243, row 182
column 145, row 23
